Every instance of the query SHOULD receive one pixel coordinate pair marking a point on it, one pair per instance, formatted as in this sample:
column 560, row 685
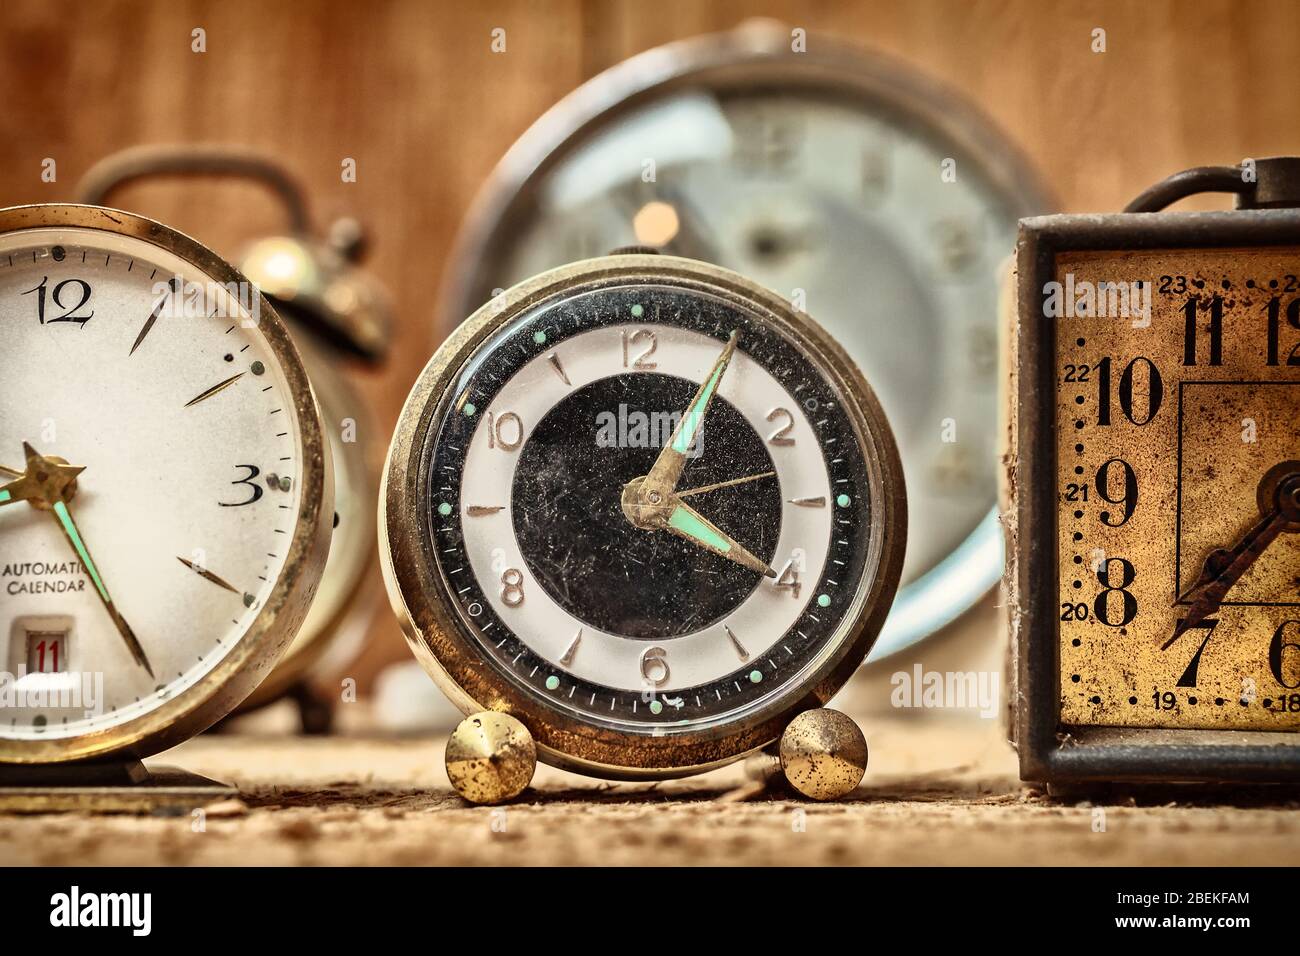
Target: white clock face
column 122, row 591
column 869, row 218
column 651, row 508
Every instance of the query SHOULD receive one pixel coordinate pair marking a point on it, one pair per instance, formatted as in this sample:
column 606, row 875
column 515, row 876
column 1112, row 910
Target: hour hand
column 686, row 522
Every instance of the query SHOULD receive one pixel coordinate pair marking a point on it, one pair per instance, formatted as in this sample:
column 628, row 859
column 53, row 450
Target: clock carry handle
column 1270, row 183
column 324, row 291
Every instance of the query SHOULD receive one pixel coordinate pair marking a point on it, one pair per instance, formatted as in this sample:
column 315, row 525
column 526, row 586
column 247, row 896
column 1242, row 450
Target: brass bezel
column 430, row 619
column 244, row 666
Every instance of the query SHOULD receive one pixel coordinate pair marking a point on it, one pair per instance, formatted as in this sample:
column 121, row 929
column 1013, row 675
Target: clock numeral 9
column 1127, row 499
column 1101, row 606
column 1154, row 397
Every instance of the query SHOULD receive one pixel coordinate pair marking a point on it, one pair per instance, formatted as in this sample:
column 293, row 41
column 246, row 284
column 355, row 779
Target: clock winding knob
column 823, row 754
column 490, row 757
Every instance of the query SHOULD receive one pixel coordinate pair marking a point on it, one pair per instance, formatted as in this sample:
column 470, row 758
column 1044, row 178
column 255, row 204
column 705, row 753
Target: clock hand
column 48, row 484
column 1224, row 567
column 71, row 532
column 686, row 522
column 723, row 484
column 667, row 469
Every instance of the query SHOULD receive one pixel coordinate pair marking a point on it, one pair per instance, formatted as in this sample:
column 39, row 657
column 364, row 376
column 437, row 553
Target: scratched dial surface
column 1179, row 465
column 628, row 606
column 180, row 521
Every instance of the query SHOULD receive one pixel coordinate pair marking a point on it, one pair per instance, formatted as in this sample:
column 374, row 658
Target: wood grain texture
column 412, row 91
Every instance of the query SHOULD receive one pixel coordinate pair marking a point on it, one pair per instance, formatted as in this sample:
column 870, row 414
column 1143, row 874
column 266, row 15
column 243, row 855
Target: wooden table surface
column 939, row 791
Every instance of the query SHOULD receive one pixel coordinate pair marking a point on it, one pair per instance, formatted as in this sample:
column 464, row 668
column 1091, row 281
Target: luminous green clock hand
column 71, row 532
column 688, row 523
column 667, row 469
column 48, row 484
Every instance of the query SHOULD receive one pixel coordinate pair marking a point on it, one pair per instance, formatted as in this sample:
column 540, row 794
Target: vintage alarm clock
column 1154, row 487
column 166, row 495
column 334, row 309
column 638, row 515
column 832, row 175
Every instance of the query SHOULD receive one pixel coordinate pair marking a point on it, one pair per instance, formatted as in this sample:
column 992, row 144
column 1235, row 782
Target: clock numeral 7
column 1208, row 625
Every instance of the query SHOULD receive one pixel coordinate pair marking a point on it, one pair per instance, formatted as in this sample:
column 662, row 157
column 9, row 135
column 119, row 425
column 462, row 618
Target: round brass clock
column 647, row 508
column 164, row 499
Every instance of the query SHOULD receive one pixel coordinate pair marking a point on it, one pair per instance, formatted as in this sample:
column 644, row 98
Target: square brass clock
column 1153, row 492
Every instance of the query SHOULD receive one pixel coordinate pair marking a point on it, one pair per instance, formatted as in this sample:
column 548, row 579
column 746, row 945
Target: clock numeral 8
column 512, row 587
column 1101, row 606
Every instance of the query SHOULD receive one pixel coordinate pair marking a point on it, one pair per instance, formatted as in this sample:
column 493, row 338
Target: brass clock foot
column 823, row 754
column 491, row 757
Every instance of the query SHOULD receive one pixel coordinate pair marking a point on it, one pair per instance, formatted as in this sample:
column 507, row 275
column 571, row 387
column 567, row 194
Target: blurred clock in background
column 872, row 198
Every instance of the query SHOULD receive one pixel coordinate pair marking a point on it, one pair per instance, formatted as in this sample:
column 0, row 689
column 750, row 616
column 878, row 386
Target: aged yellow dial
column 1178, row 507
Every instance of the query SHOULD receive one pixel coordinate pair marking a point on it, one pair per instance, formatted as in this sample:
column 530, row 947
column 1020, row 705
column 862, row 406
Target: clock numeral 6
column 1277, row 649
column 654, row 666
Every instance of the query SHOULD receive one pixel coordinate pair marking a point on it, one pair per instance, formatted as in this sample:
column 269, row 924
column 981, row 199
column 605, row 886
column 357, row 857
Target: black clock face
column 650, row 507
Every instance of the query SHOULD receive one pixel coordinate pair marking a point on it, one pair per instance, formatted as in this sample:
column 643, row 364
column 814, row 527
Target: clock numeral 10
column 505, row 431
column 1154, row 398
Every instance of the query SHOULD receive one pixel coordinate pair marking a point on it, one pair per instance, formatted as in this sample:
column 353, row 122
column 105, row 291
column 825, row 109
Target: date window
column 47, row 652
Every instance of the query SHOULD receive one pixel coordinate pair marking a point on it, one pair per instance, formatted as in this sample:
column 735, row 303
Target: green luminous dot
column 539, row 337
column 656, row 707
column 444, row 509
column 823, row 600
column 469, row 409
column 755, row 676
column 637, row 310
column 552, row 682
column 843, row 500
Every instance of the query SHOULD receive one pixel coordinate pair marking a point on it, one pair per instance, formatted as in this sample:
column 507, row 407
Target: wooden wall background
column 412, row 91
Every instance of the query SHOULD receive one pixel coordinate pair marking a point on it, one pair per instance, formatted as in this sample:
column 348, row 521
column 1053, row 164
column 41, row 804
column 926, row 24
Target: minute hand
column 688, row 523
column 667, row 469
